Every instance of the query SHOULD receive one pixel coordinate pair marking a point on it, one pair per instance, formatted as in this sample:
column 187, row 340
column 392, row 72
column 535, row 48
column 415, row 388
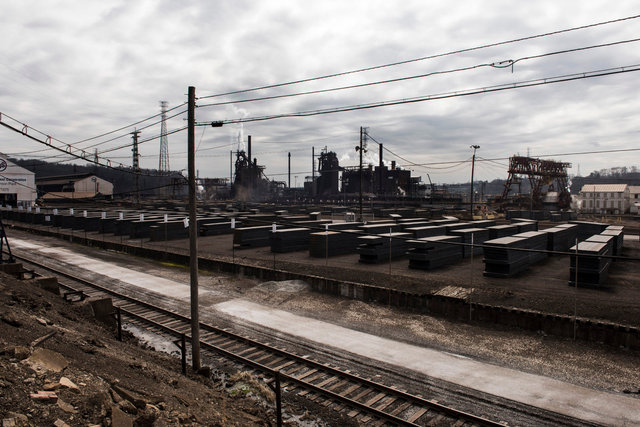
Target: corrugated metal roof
column 604, row 188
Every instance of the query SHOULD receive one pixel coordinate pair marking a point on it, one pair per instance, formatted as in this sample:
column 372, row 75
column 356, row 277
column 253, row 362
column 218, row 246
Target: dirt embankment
column 58, row 366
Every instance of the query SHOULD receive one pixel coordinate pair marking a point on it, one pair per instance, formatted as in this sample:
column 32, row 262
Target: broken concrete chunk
column 41, row 358
column 60, row 423
column 66, row 382
column 48, row 283
column 66, row 407
column 120, row 419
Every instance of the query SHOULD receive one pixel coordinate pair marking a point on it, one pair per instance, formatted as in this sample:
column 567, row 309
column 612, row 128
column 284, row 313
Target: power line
column 127, row 134
column 83, row 156
column 128, row 126
column 467, row 92
column 501, row 64
column 440, row 55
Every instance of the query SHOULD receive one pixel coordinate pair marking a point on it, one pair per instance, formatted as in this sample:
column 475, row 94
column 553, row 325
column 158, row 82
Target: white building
column 70, row 187
column 634, row 199
column 604, row 198
column 17, row 184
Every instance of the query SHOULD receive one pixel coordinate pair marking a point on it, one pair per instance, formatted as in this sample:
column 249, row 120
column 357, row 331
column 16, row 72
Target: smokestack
column 249, row 149
column 393, row 165
column 289, row 169
column 380, row 155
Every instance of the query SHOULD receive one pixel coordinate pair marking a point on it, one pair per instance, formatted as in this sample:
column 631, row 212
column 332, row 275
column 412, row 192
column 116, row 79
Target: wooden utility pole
column 193, row 229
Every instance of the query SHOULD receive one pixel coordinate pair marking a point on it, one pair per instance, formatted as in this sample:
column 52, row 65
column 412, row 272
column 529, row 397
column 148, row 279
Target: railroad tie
column 420, row 412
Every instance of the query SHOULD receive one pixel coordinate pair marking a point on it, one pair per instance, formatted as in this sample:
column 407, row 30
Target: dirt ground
column 49, row 346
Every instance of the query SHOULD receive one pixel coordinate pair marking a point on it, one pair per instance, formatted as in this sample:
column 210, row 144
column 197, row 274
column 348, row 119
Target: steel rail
column 328, row 370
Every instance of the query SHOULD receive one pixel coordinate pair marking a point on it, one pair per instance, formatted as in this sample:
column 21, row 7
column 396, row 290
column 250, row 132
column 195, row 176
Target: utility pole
column 473, row 164
column 136, row 163
column 193, row 229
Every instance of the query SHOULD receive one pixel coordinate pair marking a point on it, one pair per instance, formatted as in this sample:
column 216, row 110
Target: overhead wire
column 445, row 95
column 127, row 126
column 440, row 55
column 91, row 159
column 500, row 64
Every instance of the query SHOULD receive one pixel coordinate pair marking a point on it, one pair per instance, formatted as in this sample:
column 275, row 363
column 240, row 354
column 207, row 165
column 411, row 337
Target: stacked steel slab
column 591, row 264
column 525, row 225
column 433, row 252
column 289, row 240
column 484, row 223
column 587, row 229
column 479, row 235
column 426, row 231
column 603, row 238
column 381, row 247
column 458, row 226
column 252, row 237
column 504, row 257
column 501, row 257
column 379, row 227
column 561, row 238
column 505, row 230
column 216, row 228
column 340, row 242
column 618, row 233
column 536, row 240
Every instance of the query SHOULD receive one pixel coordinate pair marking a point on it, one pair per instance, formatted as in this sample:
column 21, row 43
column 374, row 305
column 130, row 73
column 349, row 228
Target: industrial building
column 17, row 184
column 64, row 187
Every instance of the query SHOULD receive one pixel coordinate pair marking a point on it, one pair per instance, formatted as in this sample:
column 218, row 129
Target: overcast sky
column 77, row 69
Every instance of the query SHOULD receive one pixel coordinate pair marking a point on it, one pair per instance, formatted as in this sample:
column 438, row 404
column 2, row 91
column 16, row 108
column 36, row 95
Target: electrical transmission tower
column 163, row 165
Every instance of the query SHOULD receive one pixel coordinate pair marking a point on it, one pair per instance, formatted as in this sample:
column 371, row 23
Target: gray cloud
column 75, row 70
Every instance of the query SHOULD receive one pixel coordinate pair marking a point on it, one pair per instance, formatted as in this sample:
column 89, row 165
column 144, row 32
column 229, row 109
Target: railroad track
column 360, row 398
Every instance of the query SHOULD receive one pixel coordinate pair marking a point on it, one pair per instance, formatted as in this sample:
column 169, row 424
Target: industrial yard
column 315, row 214
column 527, row 351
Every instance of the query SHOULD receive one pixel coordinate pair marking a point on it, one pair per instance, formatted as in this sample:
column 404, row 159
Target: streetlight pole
column 473, row 164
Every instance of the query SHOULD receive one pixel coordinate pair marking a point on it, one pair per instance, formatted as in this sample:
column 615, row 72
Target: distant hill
column 616, row 175
column 150, row 181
